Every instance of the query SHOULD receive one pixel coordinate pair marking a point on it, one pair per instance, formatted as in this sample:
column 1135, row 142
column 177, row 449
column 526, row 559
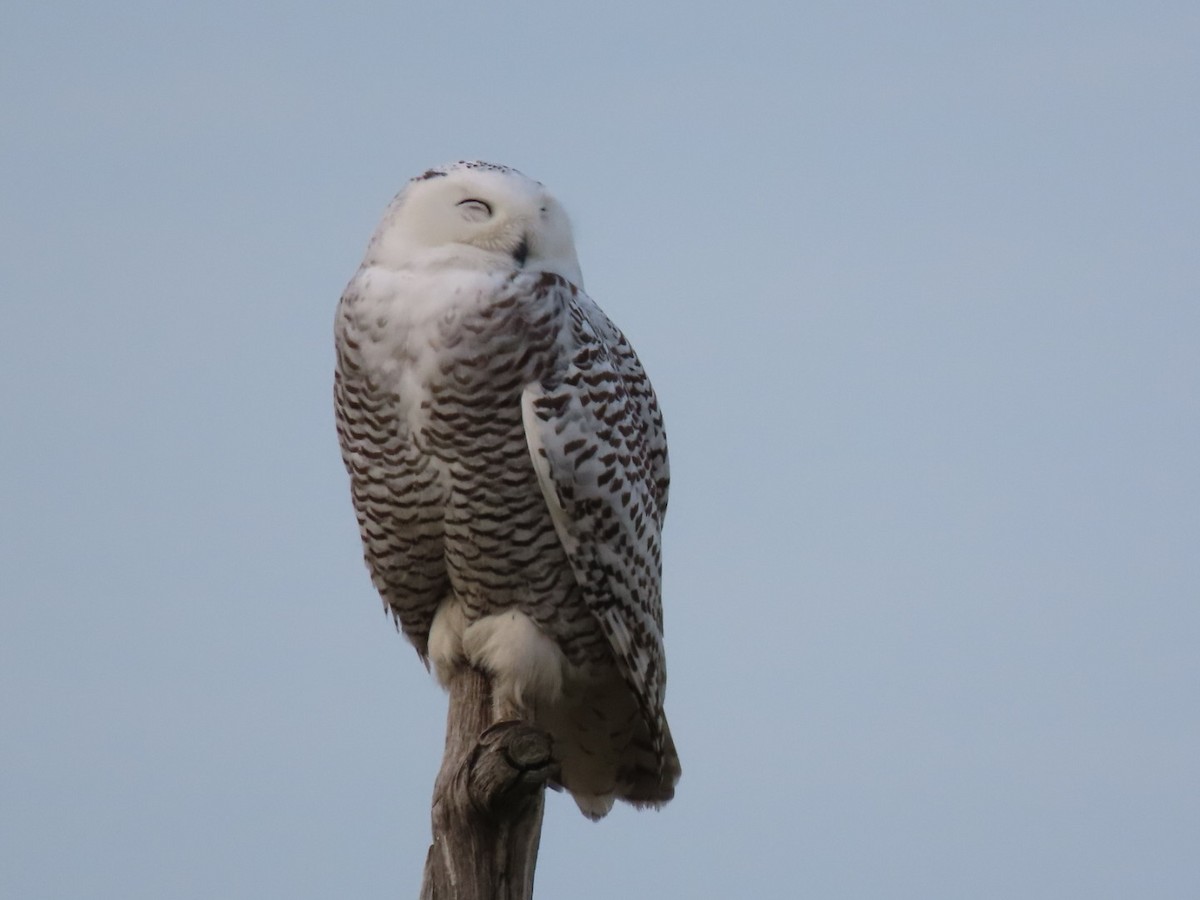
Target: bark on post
column 487, row 801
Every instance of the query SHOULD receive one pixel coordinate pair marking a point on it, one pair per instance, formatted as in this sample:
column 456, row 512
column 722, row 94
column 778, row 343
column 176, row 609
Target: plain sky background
column 919, row 287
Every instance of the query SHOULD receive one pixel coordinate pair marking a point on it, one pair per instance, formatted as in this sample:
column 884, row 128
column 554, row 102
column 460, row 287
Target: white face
column 476, row 215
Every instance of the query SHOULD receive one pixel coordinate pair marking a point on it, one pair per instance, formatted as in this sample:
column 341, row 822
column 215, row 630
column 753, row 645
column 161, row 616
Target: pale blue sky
column 919, row 286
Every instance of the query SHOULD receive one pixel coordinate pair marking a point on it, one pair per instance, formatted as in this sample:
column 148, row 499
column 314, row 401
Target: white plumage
column 508, row 466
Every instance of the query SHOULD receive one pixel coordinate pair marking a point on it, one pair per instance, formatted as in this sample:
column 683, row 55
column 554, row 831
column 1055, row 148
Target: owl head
column 476, row 215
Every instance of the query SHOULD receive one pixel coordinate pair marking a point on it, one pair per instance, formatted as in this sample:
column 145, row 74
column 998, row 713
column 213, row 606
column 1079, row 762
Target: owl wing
column 596, row 439
column 641, row 391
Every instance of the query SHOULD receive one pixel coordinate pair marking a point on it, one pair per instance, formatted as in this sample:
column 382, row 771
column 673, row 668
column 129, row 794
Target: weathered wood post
column 487, row 800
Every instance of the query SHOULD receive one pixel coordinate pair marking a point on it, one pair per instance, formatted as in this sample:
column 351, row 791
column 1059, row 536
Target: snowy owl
column 508, row 466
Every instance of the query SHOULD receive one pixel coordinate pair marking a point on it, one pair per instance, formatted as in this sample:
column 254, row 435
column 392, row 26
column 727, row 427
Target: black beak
column 521, row 253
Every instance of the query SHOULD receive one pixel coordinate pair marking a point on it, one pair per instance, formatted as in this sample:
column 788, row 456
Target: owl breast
column 440, row 371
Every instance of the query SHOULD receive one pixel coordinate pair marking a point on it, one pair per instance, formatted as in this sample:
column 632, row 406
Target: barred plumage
column 508, row 467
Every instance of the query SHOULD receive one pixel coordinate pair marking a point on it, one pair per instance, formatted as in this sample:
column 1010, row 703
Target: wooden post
column 487, row 801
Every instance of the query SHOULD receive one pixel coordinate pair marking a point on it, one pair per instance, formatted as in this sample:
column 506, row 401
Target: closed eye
column 474, row 210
